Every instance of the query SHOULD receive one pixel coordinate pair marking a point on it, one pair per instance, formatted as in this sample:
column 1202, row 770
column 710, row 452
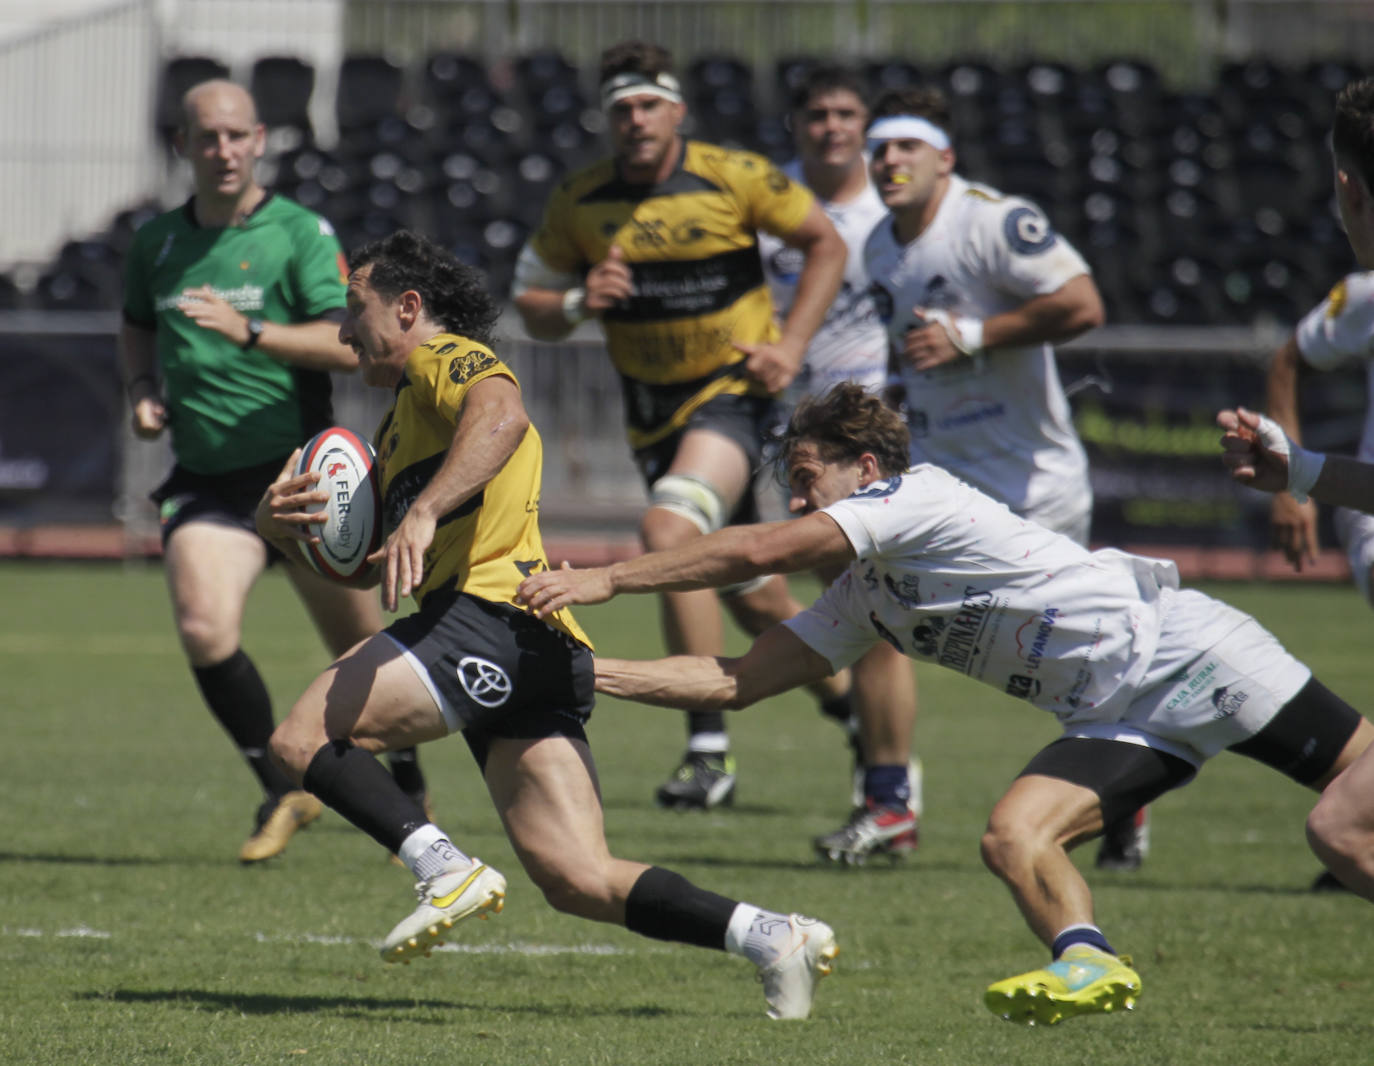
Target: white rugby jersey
column 948, row 575
column 851, row 343
column 998, row 420
column 1341, row 330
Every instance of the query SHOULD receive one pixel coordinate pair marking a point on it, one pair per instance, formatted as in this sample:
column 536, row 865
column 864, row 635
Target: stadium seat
column 1132, row 87
column 180, row 74
column 1323, row 79
column 448, row 76
column 1053, row 87
column 126, row 223
column 892, row 74
column 370, row 89
column 75, row 288
column 539, row 70
column 789, row 74
column 282, row 86
column 720, row 97
column 12, row 297
column 534, row 177
column 1174, row 305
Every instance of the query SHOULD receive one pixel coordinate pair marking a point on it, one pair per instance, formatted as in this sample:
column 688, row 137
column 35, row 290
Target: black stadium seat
column 370, row 89
column 282, row 87
column 180, row 74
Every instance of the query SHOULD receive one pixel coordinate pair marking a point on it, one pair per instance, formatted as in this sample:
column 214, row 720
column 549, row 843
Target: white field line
column 517, row 948
column 82, row 930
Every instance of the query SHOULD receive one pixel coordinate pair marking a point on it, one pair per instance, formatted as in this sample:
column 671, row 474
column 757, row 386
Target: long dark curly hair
column 455, row 295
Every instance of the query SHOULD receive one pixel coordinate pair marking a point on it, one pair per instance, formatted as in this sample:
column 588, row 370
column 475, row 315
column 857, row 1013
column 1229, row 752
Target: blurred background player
column 228, row 341
column 689, row 326
column 460, row 470
column 976, row 287
column 828, row 116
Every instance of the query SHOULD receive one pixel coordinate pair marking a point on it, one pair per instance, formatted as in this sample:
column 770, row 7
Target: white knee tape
column 690, row 497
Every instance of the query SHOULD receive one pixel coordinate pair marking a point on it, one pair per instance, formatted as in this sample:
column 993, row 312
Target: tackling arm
column 776, row 662
column 726, row 557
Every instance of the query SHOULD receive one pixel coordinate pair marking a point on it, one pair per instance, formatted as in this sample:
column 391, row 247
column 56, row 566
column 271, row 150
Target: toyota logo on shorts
column 484, row 681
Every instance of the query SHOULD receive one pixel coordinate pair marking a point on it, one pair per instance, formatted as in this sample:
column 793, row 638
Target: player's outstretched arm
column 726, row 557
column 1258, row 453
column 777, row 661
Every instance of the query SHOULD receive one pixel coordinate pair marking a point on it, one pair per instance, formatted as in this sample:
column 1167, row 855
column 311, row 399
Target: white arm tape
column 964, row 333
column 1304, row 467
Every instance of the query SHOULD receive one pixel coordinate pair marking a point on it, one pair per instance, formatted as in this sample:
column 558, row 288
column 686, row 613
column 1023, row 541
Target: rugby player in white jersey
column 828, row 117
column 975, row 287
column 1341, row 826
column 1148, row 681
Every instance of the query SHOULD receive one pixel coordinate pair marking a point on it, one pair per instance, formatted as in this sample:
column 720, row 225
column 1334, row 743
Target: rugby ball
column 347, row 466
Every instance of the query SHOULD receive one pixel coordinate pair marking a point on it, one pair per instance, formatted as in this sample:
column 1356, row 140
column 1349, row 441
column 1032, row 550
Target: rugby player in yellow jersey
column 659, row 243
column 460, row 473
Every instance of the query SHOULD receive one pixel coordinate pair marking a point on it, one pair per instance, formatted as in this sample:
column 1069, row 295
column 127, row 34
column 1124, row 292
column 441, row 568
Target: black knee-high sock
column 405, row 768
column 666, row 906
column 235, row 693
column 705, row 722
column 355, row 784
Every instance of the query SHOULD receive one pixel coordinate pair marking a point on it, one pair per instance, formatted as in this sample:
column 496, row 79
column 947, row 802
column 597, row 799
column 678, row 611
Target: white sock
column 758, row 935
column 709, row 743
column 427, row 852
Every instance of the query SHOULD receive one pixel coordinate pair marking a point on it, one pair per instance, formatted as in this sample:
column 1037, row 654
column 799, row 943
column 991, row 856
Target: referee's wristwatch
column 254, row 333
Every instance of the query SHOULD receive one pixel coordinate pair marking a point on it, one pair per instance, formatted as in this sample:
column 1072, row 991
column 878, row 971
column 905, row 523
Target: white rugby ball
column 347, row 466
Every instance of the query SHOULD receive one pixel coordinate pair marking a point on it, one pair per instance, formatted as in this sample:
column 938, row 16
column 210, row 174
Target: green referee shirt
column 229, row 408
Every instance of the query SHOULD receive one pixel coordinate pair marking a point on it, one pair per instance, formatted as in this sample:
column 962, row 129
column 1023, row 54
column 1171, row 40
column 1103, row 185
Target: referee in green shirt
column 230, row 331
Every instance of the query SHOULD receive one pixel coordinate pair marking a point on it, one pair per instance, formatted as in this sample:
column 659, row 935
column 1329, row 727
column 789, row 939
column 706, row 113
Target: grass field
column 130, row 935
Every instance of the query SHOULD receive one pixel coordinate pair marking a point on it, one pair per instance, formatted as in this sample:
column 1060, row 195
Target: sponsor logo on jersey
column 882, row 301
column 1335, row 299
column 241, row 298
column 786, row 264
column 1227, row 702
column 465, row 367
column 964, row 630
column 1034, row 635
column 1027, row 231
column 1197, row 680
column 970, row 411
column 938, row 294
column 484, row 682
column 907, row 592
column 926, row 636
column 165, row 250
column 1022, row 687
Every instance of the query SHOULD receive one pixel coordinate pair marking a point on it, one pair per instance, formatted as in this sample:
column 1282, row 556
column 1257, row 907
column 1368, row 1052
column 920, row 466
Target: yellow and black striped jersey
column 489, row 543
column 690, row 242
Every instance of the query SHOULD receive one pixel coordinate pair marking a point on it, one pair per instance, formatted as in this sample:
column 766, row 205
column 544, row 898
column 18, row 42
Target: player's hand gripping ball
column 347, row 466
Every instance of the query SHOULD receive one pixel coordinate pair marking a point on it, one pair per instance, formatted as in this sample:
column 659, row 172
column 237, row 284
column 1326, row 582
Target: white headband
column 906, row 128
column 631, row 84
